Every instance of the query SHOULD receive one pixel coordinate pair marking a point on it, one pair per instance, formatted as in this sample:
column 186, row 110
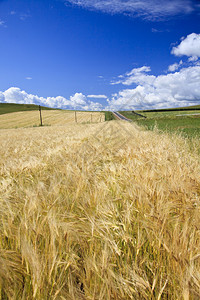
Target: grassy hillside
column 187, row 126
column 98, row 211
column 109, row 116
column 6, row 108
column 185, row 122
column 194, row 107
column 49, row 117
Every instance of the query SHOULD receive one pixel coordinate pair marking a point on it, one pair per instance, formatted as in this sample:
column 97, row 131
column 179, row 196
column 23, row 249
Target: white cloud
column 189, row 46
column 180, row 88
column 97, row 96
column 174, row 89
column 94, row 106
column 77, row 101
column 28, row 78
column 136, row 75
column 175, row 66
column 193, row 58
column 148, row 9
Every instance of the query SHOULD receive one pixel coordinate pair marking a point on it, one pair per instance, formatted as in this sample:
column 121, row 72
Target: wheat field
column 49, row 117
column 98, row 211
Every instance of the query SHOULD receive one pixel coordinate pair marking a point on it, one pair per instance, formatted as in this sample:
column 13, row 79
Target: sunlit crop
column 98, row 211
column 49, row 117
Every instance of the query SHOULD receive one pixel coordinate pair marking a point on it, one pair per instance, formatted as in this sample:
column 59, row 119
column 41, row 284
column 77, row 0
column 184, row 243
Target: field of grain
column 98, row 211
column 49, row 117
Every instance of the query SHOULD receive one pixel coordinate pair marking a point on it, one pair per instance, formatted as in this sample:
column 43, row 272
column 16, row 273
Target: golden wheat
column 50, row 117
column 98, row 211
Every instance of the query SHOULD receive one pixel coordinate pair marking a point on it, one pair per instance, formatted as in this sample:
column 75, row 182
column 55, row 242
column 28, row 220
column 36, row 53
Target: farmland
column 98, row 211
column 6, row 108
column 50, row 117
column 185, row 122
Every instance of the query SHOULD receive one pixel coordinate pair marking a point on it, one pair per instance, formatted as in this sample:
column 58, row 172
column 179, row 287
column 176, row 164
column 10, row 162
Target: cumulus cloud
column 77, row 101
column 189, row 46
column 148, row 9
column 175, row 66
column 94, row 106
column 97, row 96
column 193, row 58
column 175, row 89
column 180, row 88
column 136, row 75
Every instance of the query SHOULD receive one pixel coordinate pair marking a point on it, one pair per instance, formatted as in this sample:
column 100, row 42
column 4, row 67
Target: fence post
column 75, row 117
column 40, row 110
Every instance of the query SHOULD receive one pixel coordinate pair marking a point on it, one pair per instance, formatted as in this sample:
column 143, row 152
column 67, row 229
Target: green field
column 194, row 107
column 109, row 116
column 186, row 122
column 6, row 108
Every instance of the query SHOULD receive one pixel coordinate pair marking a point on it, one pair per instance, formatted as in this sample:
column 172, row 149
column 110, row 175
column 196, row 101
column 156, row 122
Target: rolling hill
column 6, row 108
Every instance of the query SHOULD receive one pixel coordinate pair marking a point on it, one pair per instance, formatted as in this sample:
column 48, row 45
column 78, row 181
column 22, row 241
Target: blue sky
column 100, row 54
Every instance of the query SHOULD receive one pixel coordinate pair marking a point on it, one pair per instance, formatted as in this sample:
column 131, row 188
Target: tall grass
column 86, row 214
